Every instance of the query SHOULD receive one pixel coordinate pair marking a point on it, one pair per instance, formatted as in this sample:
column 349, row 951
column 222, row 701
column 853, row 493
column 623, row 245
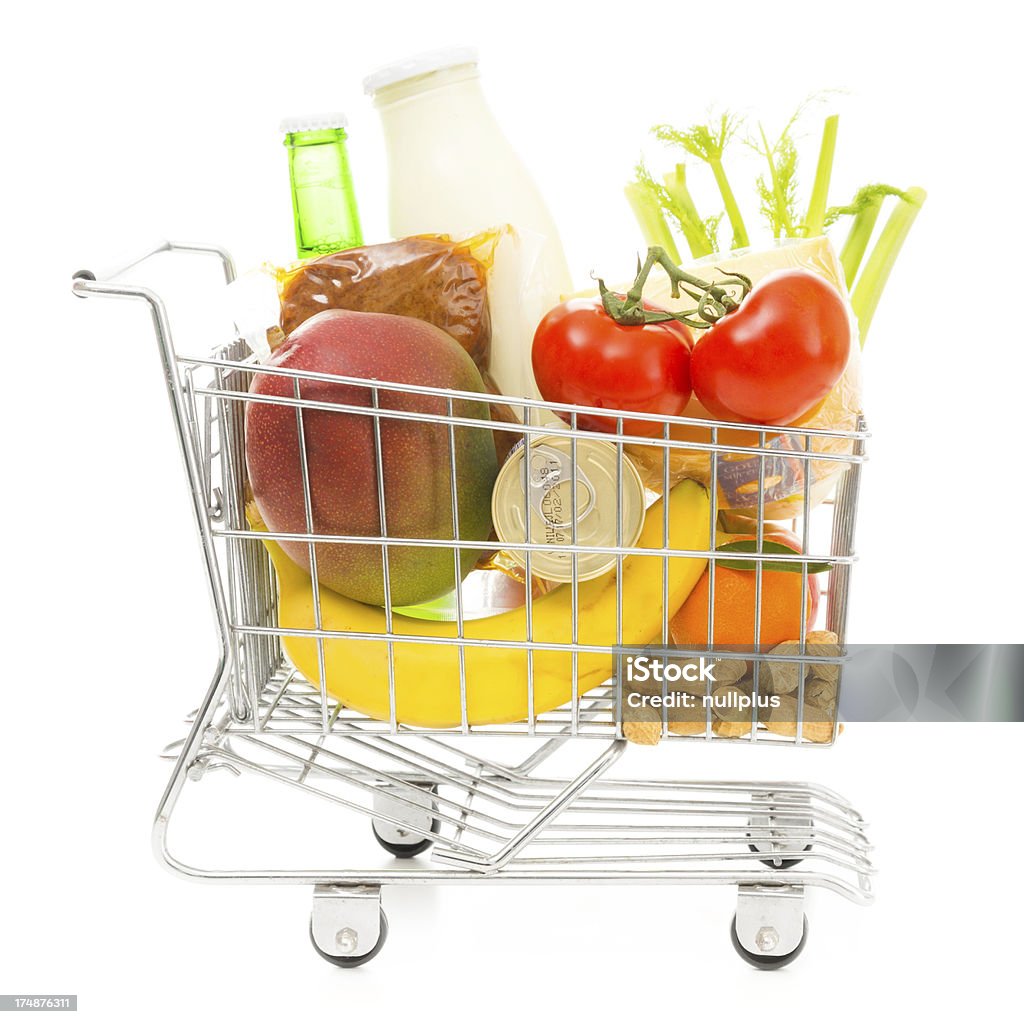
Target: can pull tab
column 546, row 469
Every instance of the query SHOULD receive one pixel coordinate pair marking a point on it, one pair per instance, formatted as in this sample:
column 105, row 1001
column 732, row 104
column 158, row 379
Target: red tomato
column 581, row 356
column 778, row 355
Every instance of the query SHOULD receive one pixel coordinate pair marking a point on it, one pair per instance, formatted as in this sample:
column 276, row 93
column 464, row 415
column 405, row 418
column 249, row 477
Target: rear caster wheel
column 780, row 838
column 406, row 851
column 401, row 842
column 340, row 960
column 763, row 959
column 780, row 864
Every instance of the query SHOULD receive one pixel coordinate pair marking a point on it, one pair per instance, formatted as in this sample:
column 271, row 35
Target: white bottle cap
column 420, row 64
column 313, row 123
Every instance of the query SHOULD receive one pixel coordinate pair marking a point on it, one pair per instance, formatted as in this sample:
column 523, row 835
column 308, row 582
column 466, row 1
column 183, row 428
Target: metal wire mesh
column 494, row 820
column 269, row 694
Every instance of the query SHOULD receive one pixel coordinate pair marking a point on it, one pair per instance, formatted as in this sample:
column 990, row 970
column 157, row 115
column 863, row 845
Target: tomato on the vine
column 581, row 356
column 777, row 355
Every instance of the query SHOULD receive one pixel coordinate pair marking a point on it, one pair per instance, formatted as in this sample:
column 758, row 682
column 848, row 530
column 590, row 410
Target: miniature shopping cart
column 474, row 816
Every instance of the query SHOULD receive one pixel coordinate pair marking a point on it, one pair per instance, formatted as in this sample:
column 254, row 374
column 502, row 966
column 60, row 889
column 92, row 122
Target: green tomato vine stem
column 713, row 300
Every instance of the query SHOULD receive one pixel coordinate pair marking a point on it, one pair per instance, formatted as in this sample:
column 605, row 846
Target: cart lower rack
column 434, row 792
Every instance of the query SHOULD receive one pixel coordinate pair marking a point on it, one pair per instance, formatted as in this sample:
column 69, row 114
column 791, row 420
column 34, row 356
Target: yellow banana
column 427, row 684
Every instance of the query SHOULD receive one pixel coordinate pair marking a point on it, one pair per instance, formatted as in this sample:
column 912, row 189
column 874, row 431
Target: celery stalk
column 693, row 228
column 777, row 200
column 647, row 211
column 740, row 238
column 708, row 142
column 864, row 208
column 875, row 274
column 815, row 221
column 856, row 243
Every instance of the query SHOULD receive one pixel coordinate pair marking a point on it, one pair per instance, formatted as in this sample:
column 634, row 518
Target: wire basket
column 269, row 693
column 435, row 786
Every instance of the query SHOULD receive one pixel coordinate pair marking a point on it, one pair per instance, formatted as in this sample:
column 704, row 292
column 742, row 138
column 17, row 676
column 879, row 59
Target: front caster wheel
column 339, row 960
column 764, row 960
column 402, row 842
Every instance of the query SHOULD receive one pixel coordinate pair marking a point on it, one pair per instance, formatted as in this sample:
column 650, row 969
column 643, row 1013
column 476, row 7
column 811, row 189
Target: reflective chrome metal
column 770, row 919
column 346, row 919
column 498, row 822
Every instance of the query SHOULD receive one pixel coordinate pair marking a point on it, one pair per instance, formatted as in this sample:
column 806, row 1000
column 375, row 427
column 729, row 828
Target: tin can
column 540, row 492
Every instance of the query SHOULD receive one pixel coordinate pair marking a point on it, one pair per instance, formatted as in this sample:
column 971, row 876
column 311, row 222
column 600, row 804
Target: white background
column 126, row 124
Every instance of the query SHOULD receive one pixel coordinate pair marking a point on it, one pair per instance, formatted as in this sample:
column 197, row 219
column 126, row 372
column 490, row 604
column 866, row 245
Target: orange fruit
column 735, row 591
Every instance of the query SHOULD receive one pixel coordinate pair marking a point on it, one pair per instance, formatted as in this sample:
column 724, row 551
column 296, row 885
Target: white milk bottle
column 452, row 171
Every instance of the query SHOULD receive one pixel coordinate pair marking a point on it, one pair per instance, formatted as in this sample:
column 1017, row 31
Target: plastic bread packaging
column 435, row 278
column 455, row 284
column 429, row 277
column 738, row 475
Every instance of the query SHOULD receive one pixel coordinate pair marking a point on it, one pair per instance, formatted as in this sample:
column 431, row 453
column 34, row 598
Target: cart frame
column 485, row 819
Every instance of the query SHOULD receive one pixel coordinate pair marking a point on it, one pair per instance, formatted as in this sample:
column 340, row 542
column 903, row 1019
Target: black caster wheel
column 765, row 961
column 405, row 851
column 353, row 961
column 783, row 864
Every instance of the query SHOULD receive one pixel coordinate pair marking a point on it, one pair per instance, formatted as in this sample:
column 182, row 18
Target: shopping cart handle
column 85, row 283
column 81, row 278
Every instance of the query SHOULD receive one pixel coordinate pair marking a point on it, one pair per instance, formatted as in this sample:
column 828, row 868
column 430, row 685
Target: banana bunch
column 427, row 679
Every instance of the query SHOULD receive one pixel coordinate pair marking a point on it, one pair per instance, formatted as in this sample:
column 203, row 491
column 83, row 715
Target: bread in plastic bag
column 435, row 278
column 738, row 475
column 428, row 277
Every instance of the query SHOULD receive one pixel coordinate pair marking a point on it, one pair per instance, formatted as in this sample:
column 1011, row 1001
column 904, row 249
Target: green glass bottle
column 323, row 200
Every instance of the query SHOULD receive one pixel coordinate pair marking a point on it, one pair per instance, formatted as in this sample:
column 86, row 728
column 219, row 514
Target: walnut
column 728, row 670
column 732, row 704
column 730, row 729
column 783, row 720
column 783, row 676
column 642, row 725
